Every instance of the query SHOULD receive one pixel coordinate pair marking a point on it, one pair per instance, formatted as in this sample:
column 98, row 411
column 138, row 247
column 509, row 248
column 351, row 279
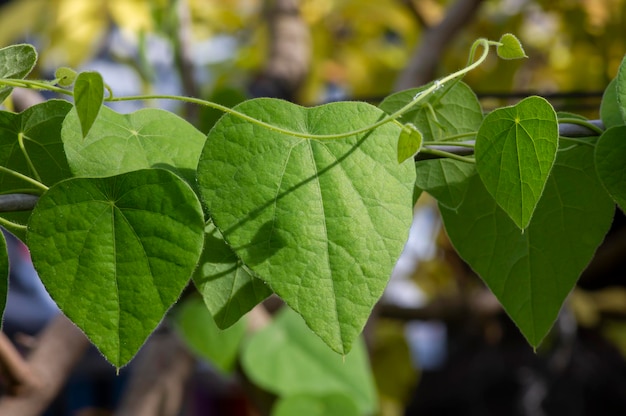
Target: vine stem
column 28, row 179
column 12, row 225
column 391, row 117
column 419, row 97
column 443, row 153
column 584, row 123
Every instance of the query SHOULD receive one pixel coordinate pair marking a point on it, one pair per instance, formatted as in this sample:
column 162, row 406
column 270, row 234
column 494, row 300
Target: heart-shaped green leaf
column 510, row 47
column 451, row 110
column 88, row 98
column 610, row 158
column 119, row 143
column 532, row 273
column 4, row 275
column 16, row 61
column 515, row 150
column 30, row 144
column 287, row 359
column 444, row 179
column 228, row 287
column 197, row 328
column 322, row 222
column 332, row 404
column 409, row 143
column 115, row 253
column 620, row 81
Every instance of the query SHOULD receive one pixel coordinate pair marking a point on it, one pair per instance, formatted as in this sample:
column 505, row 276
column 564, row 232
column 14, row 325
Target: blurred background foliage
column 359, row 46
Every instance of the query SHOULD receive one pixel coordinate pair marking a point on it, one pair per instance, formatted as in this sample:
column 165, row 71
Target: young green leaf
column 510, row 47
column 610, row 157
column 515, row 150
column 119, row 143
column 115, row 253
column 197, row 328
column 65, row 76
column 306, row 215
column 532, row 273
column 228, row 287
column 277, row 357
column 621, row 88
column 409, row 143
column 30, row 144
column 16, row 61
column 453, row 109
column 88, row 98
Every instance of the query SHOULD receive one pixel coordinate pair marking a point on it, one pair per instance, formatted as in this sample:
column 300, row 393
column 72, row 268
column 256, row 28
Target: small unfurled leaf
column 409, row 143
column 115, row 253
column 510, row 47
column 228, row 287
column 65, row 76
column 610, row 158
column 286, row 358
column 515, row 150
column 88, row 98
column 197, row 328
column 16, row 61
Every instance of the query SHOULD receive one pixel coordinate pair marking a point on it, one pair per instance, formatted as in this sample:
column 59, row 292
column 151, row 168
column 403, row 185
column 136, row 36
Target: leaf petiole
column 28, row 179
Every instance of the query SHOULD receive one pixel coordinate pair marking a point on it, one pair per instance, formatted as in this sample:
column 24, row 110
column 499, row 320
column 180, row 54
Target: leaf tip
column 510, row 47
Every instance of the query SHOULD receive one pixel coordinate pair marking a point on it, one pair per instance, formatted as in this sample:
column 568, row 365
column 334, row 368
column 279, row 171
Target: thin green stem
column 20, row 140
column 446, row 140
column 10, row 224
column 28, row 179
column 391, row 117
column 443, row 153
column 35, row 85
column 577, row 141
column 447, row 143
column 583, row 123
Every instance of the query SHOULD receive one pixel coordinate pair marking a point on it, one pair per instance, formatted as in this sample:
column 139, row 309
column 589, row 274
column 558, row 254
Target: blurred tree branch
column 289, row 52
column 422, row 66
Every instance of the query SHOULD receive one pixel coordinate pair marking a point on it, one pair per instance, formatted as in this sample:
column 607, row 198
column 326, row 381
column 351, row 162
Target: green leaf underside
column 115, row 253
column 510, row 47
column 198, row 330
column 532, row 273
column 409, row 143
column 285, row 358
column 119, row 143
column 610, row 159
column 515, row 150
column 610, row 112
column 455, row 106
column 88, row 97
column 228, row 288
column 621, row 89
column 444, row 179
column 4, row 276
column 16, row 61
column 332, row 404
column 325, row 223
column 40, row 127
